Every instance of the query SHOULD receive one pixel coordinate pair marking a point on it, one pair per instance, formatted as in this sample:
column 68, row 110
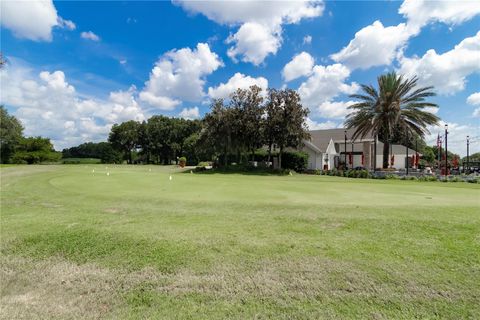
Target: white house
column 326, row 150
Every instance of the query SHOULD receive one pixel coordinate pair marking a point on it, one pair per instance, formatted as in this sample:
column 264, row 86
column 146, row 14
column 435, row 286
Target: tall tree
column 217, row 131
column 10, row 135
column 288, row 120
column 271, row 123
column 249, row 110
column 124, row 137
column 397, row 105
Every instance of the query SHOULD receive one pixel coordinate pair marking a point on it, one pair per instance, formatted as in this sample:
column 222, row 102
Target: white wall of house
column 314, row 159
column 398, row 163
column 330, row 154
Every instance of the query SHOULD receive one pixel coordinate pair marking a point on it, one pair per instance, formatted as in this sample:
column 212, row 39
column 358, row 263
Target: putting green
column 155, row 242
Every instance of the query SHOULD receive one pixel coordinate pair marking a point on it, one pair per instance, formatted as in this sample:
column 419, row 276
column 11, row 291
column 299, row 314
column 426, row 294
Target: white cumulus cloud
column 474, row 99
column 237, row 81
column 33, row 20
column 476, row 113
column 324, row 84
column 180, row 75
column 374, row 45
column 457, row 136
column 315, row 125
column 334, row 109
column 259, row 34
column 254, row 42
column 447, row 72
column 421, row 12
column 48, row 105
column 300, row 65
column 190, row 113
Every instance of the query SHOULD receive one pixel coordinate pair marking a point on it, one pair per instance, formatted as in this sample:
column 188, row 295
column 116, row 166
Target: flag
column 392, row 160
column 413, row 159
column 455, row 162
column 350, row 158
column 417, row 159
column 363, row 159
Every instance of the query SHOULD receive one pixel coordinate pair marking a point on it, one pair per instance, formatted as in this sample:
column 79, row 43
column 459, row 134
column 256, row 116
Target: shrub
column 474, row 180
column 182, row 161
column 456, row 179
column 364, row 174
column 393, row 177
column 297, row 161
column 204, row 164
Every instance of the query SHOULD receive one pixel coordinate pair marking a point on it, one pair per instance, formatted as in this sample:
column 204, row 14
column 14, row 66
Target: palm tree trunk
column 386, row 148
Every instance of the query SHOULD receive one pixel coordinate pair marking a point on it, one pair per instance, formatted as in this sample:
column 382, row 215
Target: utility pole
column 446, row 150
column 345, row 149
column 416, row 154
column 352, row 155
column 468, row 156
column 439, row 152
column 406, row 148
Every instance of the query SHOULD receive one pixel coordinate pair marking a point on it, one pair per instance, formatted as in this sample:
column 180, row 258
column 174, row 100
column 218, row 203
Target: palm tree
column 397, row 105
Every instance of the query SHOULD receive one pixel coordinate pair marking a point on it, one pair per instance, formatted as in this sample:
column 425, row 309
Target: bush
column 363, row 174
column 201, row 166
column 474, row 180
column 456, row 179
column 31, row 157
column 297, row 161
column 182, row 161
column 393, row 177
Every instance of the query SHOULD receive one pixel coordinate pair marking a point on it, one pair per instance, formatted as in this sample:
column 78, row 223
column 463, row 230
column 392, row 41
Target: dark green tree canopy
column 11, row 132
column 35, row 150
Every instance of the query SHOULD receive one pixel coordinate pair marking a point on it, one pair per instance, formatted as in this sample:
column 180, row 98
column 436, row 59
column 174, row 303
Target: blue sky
column 75, row 68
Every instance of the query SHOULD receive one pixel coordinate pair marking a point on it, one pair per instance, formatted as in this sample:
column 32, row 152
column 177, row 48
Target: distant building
column 326, row 150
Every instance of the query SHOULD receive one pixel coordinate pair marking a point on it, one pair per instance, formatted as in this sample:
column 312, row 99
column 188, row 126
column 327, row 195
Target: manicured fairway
column 136, row 245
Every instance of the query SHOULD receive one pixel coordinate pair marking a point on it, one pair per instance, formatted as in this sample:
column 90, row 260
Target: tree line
column 232, row 131
column 15, row 148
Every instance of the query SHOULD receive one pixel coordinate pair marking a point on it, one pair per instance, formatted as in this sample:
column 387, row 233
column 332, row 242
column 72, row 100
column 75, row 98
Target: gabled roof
column 321, row 138
column 331, row 148
column 310, row 145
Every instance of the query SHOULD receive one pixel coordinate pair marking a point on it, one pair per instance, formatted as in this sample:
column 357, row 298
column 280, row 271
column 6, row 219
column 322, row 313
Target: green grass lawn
column 137, row 245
